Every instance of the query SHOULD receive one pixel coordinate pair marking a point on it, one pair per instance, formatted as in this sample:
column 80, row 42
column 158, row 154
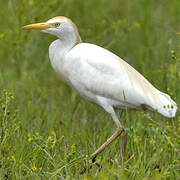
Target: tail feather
column 167, row 107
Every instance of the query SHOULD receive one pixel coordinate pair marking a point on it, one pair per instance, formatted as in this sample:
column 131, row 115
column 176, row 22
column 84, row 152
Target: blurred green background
column 47, row 130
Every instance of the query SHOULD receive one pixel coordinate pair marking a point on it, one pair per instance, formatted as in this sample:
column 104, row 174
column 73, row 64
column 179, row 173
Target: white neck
column 57, row 52
column 68, row 36
column 68, row 42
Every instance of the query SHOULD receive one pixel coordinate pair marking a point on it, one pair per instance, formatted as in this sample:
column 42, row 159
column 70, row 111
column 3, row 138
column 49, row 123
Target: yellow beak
column 38, row 26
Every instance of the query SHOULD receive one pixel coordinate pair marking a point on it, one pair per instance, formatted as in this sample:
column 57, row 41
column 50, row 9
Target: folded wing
column 102, row 73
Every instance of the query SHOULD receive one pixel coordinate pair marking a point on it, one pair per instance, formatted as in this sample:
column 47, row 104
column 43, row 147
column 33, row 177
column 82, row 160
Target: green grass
column 47, row 130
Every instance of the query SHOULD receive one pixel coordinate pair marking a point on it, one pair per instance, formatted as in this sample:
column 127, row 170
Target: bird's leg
column 123, row 133
column 124, row 143
column 124, row 136
column 120, row 131
column 109, row 140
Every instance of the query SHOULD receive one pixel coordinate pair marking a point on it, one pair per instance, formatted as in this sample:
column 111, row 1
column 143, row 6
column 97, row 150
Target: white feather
column 98, row 74
column 102, row 77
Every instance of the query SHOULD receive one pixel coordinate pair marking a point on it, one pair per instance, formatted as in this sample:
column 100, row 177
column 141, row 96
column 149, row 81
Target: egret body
column 100, row 76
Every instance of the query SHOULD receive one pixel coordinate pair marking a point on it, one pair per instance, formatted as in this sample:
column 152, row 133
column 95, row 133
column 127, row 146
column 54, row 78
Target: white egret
column 100, row 76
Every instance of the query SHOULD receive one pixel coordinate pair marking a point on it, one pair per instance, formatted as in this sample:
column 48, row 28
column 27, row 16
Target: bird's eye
column 57, row 24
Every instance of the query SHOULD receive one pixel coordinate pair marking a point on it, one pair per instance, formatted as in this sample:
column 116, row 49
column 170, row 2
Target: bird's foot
column 95, row 162
column 92, row 162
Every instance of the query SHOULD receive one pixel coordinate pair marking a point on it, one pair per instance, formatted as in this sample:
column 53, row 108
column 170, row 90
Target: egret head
column 60, row 26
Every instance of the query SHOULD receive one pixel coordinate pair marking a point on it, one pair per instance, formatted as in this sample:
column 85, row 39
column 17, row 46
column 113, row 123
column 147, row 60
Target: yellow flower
column 135, row 139
column 90, row 161
column 50, row 138
column 53, row 133
column 137, row 25
column 151, row 141
column 13, row 157
column 73, row 146
column 169, row 139
column 172, row 52
column 29, row 139
column 2, row 35
column 12, row 97
column 37, row 133
column 34, row 168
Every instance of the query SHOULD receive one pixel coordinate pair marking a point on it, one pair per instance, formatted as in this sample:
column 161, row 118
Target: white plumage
column 103, row 78
column 100, row 76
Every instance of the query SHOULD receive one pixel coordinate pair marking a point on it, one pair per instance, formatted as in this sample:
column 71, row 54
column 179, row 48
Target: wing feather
column 96, row 71
column 107, row 75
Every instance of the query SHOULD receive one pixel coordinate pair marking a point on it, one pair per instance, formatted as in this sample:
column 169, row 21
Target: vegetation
column 47, row 131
